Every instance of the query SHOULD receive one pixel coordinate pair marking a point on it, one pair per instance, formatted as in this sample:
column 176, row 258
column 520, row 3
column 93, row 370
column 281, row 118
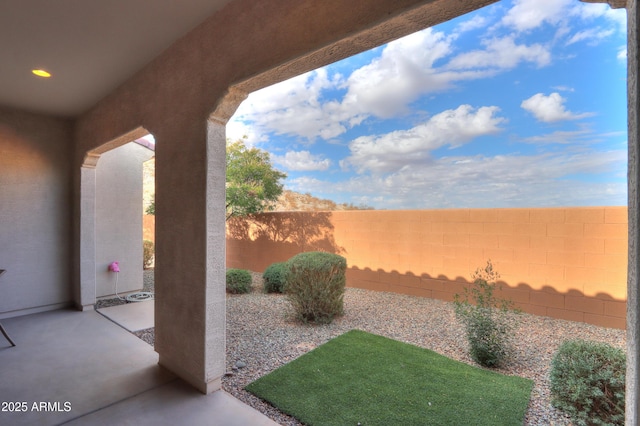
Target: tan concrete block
column 530, row 256
column 604, row 289
column 515, row 295
column 456, row 240
column 584, row 215
column 456, row 215
column 475, row 227
column 605, row 230
column 574, row 230
column 483, row 215
column 497, row 228
column 547, row 243
column 547, row 274
column 443, row 295
column 413, row 291
column 606, row 261
column 547, row 299
column 616, row 215
column 615, row 309
column 546, row 215
column 616, row 246
column 605, row 321
column 514, row 241
column 455, row 227
column 432, row 284
column 584, row 304
column 513, row 215
column 584, row 245
column 531, row 229
column 498, row 254
column 483, row 241
column 565, row 314
column 473, row 254
column 533, row 309
column 565, row 258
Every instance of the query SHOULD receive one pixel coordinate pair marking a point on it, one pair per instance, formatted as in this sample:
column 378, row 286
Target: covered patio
column 122, row 70
column 80, row 368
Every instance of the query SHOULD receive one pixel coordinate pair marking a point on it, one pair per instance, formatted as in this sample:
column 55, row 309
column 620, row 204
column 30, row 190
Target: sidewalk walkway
column 134, row 316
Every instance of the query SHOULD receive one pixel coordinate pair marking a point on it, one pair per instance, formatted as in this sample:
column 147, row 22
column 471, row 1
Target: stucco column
column 85, row 299
column 190, row 249
column 633, row 314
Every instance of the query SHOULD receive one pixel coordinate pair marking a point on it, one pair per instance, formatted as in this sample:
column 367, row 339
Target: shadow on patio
column 80, row 368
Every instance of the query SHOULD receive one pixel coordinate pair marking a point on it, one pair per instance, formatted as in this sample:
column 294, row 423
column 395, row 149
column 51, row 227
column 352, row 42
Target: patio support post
column 633, row 314
column 86, row 297
column 190, row 249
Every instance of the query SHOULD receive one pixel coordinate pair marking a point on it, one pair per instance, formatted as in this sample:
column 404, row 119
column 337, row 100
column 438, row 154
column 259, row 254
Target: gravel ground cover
column 262, row 336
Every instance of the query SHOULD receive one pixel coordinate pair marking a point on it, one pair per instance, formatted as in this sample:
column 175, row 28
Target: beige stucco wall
column 119, row 182
column 567, row 263
column 35, row 211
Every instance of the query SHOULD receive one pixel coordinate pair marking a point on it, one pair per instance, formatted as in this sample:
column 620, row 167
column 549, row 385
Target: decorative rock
column 240, row 364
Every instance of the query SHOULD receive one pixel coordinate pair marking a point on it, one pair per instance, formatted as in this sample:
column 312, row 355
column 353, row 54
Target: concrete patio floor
column 80, row 368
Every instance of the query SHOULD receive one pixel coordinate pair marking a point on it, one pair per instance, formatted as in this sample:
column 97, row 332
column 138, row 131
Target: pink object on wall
column 114, row 267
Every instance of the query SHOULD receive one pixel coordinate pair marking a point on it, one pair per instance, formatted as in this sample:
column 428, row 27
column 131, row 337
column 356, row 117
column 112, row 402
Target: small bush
column 148, row 252
column 587, row 382
column 238, row 281
column 488, row 320
column 274, row 277
column 315, row 286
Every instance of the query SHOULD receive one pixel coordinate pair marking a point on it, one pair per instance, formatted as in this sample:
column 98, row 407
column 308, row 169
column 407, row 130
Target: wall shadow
column 602, row 309
column 281, row 235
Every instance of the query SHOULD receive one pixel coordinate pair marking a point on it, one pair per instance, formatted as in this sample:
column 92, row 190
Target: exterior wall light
column 41, row 73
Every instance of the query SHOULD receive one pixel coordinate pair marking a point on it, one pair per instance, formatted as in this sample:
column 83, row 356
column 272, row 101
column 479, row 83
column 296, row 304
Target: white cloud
column 550, row 108
column 502, row 53
column 403, row 72
column 529, row 14
column 491, row 181
column 474, row 23
column 395, row 150
column 592, row 35
column 301, row 161
column 622, row 53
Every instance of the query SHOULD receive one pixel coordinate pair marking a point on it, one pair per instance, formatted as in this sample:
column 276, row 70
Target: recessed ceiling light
column 41, row 73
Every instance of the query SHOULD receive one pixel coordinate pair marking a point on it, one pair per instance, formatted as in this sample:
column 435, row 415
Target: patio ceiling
column 89, row 47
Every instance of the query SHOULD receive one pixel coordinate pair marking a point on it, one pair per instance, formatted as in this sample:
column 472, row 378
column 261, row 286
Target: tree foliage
column 253, row 185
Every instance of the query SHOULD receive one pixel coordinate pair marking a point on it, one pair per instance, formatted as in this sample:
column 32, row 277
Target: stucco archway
column 85, row 296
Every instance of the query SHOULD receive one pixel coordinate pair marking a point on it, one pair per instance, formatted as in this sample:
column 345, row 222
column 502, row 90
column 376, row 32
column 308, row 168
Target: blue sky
column 520, row 104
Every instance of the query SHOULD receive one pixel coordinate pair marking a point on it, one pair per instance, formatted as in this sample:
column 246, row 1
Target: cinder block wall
column 567, row 263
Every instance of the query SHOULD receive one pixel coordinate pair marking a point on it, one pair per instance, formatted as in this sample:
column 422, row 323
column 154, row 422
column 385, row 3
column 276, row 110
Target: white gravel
column 262, row 334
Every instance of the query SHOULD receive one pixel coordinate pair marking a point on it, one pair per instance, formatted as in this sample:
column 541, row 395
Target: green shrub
column 274, row 277
column 315, row 286
column 148, row 252
column 488, row 320
column 238, row 281
column 587, row 382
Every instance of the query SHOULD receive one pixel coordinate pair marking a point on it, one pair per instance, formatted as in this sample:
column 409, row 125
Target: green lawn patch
column 363, row 378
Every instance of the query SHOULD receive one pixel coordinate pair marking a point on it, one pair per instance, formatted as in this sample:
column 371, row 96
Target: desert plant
column 488, row 320
column 315, row 286
column 238, row 281
column 274, row 277
column 148, row 253
column 588, row 382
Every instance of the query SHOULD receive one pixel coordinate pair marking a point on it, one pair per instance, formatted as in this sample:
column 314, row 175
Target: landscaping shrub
column 587, row 382
column 148, row 252
column 488, row 320
column 238, row 281
column 274, row 277
column 315, row 286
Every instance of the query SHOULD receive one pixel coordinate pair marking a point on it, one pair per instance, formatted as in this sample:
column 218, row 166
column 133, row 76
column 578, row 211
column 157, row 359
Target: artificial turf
column 366, row 379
